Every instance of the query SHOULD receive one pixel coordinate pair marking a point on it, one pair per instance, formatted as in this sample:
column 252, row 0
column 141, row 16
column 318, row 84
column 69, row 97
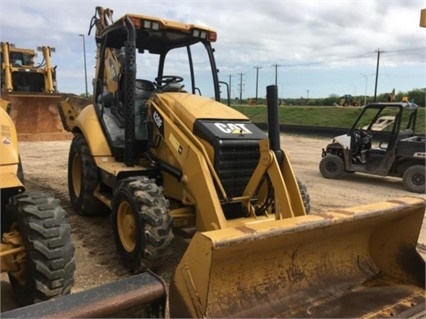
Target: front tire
column 49, row 263
column 332, row 166
column 83, row 179
column 414, row 179
column 305, row 195
column 141, row 223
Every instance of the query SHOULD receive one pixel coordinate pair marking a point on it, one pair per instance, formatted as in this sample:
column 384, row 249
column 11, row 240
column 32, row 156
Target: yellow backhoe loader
column 158, row 155
column 349, row 100
column 32, row 91
column 36, row 248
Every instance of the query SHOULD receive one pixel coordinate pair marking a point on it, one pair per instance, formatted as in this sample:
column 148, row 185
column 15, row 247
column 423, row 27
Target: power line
column 407, row 50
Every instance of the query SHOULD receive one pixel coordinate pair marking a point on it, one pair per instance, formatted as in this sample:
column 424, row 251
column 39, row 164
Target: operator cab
column 141, row 56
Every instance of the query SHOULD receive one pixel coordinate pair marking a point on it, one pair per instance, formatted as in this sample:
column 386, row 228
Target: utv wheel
column 49, row 263
column 305, row 196
column 331, row 166
column 141, row 223
column 83, row 179
column 414, row 179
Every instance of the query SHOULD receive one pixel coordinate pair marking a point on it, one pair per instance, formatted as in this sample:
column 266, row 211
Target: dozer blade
column 36, row 115
column 355, row 262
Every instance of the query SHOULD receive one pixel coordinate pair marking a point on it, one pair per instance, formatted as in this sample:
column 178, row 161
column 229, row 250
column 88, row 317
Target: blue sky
column 322, row 47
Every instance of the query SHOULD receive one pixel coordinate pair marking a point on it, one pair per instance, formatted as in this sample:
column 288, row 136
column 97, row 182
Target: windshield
column 191, row 63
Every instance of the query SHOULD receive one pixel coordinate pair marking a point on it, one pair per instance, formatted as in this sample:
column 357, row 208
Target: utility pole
column 365, row 92
column 230, row 85
column 241, row 87
column 257, row 67
column 276, row 72
column 377, row 73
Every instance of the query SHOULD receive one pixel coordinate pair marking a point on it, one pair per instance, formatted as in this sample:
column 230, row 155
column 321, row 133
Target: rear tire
column 83, row 179
column 332, row 166
column 49, row 262
column 414, row 179
column 141, row 223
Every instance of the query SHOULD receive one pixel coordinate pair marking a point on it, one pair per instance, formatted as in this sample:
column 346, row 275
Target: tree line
column 416, row 95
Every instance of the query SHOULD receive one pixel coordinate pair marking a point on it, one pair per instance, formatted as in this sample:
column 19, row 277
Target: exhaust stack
column 273, row 121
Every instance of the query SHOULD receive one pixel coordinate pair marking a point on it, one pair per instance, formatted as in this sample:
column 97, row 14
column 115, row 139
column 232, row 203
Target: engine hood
column 344, row 140
column 189, row 108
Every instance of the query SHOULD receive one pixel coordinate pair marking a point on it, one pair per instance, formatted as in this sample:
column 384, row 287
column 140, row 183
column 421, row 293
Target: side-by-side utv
column 393, row 151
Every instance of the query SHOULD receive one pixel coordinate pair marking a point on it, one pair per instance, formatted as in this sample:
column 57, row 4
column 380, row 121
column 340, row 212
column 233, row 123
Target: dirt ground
column 45, row 168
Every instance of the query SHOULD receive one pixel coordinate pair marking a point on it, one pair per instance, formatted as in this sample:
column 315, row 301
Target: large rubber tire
column 305, row 196
column 332, row 166
column 83, row 179
column 414, row 179
column 20, row 172
column 142, row 224
column 49, row 263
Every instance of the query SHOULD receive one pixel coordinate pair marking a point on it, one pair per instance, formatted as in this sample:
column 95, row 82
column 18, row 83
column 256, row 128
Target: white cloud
column 249, row 33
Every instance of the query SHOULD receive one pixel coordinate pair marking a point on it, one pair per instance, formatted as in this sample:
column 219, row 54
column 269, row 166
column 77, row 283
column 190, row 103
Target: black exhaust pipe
column 129, row 95
column 273, row 121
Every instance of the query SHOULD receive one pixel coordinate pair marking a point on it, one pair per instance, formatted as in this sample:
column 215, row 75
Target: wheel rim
column 418, row 179
column 126, row 225
column 331, row 167
column 76, row 175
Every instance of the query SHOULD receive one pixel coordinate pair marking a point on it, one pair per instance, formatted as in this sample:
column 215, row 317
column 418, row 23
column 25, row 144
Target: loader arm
column 288, row 202
column 195, row 172
column 184, row 154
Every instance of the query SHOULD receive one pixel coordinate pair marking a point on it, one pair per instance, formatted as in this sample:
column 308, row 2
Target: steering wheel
column 360, row 139
column 167, row 79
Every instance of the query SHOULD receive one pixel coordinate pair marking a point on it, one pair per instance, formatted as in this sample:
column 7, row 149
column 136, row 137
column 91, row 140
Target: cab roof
column 156, row 35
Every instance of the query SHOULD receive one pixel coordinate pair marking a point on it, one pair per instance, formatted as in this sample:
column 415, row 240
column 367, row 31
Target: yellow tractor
column 32, row 91
column 36, row 248
column 158, row 155
column 349, row 100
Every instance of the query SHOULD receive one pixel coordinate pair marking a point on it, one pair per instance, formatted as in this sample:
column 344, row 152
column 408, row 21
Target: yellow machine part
column 87, row 122
column 5, row 105
column 354, row 262
column 8, row 140
column 9, row 153
column 36, row 115
column 423, row 18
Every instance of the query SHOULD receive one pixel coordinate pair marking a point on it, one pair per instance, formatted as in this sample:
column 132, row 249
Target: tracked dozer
column 159, row 156
column 32, row 91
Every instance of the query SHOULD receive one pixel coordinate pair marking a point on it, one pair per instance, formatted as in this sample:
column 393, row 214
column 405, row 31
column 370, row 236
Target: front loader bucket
column 355, row 262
